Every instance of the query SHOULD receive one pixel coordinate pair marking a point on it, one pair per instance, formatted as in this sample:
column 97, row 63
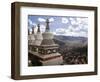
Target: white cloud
column 34, row 24
column 64, row 20
column 71, row 28
column 79, row 20
column 41, row 20
column 76, row 21
column 30, row 22
column 71, row 31
column 85, row 21
column 82, row 34
column 51, row 19
column 85, row 27
column 60, row 30
column 73, row 22
column 77, row 28
column 71, row 18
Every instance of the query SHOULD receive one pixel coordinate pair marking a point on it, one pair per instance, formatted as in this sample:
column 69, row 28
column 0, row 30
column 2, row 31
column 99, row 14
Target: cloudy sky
column 61, row 25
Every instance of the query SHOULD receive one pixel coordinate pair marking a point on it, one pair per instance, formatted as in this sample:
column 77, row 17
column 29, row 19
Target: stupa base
column 49, row 59
column 53, row 61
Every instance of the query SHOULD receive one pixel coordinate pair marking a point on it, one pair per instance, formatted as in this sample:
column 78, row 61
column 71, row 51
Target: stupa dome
column 47, row 35
column 32, row 37
column 38, row 36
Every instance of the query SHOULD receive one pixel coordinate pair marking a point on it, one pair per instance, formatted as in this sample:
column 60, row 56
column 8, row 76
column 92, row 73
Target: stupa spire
column 38, row 28
column 47, row 26
column 33, row 30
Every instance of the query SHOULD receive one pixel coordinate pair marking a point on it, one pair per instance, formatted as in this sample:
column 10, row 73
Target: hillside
column 73, row 49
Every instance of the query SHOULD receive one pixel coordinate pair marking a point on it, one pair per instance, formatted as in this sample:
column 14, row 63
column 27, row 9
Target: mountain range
column 71, row 41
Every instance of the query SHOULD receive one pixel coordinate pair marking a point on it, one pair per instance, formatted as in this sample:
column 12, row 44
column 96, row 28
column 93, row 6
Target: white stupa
column 38, row 37
column 45, row 50
column 31, row 37
column 48, row 50
column 47, row 35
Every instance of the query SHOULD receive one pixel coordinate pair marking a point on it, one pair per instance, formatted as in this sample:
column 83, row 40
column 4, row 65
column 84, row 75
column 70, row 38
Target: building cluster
column 42, row 49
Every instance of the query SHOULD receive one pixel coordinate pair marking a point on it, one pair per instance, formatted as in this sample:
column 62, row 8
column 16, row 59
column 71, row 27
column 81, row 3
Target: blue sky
column 61, row 25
